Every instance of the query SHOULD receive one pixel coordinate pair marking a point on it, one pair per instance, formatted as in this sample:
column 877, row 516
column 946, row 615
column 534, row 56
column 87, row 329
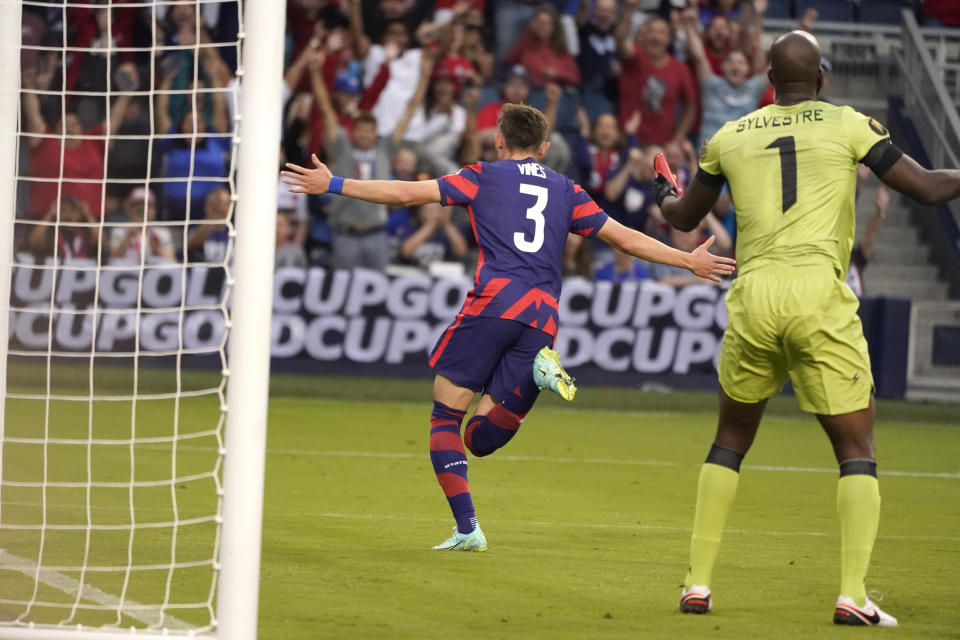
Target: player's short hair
column 365, row 117
column 523, row 127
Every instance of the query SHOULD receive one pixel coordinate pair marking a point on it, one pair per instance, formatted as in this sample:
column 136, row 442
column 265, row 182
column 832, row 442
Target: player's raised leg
column 858, row 504
column 548, row 373
column 716, row 489
column 450, row 463
column 492, row 425
column 511, row 392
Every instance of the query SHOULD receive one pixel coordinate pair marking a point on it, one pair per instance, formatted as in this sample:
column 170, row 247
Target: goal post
column 249, row 378
column 184, row 506
column 9, row 114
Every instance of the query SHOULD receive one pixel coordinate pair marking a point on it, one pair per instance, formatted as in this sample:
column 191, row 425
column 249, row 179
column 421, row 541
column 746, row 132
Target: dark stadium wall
column 937, row 225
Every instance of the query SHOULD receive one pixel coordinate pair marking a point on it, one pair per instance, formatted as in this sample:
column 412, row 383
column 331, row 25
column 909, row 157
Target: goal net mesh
column 112, row 440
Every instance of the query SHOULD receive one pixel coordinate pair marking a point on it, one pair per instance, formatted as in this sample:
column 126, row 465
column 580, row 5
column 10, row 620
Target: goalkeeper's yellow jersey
column 792, row 173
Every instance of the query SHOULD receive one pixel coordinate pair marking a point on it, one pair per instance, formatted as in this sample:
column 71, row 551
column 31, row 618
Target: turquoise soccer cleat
column 548, row 373
column 473, row 541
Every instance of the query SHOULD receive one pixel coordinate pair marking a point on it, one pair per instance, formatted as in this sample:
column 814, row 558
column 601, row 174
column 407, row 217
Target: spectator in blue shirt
column 208, row 241
column 599, row 64
column 199, row 152
column 426, row 234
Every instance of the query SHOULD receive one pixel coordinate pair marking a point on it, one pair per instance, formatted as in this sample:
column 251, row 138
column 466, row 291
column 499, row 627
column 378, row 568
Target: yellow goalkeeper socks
column 715, row 492
column 858, row 503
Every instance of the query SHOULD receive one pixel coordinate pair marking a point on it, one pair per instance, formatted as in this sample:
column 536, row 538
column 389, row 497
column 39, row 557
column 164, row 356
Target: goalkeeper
column 791, row 167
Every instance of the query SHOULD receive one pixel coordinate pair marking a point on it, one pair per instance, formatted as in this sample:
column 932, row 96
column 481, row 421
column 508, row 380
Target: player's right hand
column 708, row 266
column 303, row 180
column 664, row 180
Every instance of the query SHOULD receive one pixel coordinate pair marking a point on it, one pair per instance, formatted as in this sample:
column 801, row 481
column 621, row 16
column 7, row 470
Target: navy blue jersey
column 521, row 213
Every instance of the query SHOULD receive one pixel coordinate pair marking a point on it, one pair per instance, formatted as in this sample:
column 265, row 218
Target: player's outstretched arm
column 923, row 185
column 683, row 210
column 398, row 193
column 699, row 261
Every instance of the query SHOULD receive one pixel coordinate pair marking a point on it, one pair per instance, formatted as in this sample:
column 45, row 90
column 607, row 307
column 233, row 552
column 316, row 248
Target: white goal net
column 119, row 240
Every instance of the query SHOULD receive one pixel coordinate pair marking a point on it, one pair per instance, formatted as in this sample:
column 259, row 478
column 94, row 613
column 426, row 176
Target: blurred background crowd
column 404, row 89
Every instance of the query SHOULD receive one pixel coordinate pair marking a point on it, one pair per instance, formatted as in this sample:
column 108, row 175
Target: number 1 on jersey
column 788, row 170
column 534, row 213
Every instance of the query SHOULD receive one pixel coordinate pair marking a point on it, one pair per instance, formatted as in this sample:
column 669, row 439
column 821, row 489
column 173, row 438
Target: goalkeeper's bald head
column 795, row 64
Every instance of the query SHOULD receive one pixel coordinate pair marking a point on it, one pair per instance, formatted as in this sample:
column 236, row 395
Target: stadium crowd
column 378, row 89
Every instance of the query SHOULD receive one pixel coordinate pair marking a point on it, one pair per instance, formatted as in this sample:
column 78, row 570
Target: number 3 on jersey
column 534, row 213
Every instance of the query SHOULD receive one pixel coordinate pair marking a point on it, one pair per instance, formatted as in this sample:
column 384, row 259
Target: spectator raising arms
column 196, row 150
column 654, row 83
column 542, row 51
column 358, row 227
column 438, row 122
column 78, row 158
column 516, row 90
column 727, row 97
column 599, row 66
column 629, row 192
column 402, row 59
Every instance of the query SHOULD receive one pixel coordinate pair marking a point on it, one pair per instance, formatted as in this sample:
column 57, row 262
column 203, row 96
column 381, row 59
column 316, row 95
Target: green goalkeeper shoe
column 473, row 541
column 548, row 373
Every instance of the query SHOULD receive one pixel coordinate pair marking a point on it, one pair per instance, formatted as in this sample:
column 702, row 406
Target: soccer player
column 521, row 212
column 792, row 169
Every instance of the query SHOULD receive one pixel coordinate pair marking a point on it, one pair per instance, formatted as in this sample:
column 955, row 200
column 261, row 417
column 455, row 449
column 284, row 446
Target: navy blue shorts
column 490, row 355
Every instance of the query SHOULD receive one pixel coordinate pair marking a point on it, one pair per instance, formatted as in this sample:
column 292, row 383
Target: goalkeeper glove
column 664, row 180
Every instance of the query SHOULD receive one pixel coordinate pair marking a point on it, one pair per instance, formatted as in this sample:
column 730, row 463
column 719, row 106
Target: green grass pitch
column 587, row 512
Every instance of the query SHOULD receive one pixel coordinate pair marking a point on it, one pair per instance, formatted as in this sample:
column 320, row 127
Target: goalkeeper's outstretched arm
column 398, row 193
column 926, row 186
column 684, row 211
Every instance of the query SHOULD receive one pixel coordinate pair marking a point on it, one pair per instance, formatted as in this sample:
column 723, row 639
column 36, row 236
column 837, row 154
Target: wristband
column 336, row 185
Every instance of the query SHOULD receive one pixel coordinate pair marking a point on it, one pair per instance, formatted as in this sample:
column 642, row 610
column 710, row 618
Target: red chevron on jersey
column 476, row 306
column 585, row 209
column 521, row 310
column 467, row 188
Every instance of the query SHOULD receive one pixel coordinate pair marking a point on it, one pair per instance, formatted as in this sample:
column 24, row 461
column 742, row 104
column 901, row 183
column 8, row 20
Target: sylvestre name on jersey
column 809, row 115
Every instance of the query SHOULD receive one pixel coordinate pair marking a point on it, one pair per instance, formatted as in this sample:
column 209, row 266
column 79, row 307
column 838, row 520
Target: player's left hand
column 664, row 180
column 304, row 180
column 706, row 265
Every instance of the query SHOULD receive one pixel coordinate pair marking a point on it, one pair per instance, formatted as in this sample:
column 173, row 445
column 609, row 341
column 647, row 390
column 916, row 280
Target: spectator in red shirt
column 718, row 41
column 73, row 237
column 542, row 51
column 516, row 90
column 655, row 83
column 83, row 157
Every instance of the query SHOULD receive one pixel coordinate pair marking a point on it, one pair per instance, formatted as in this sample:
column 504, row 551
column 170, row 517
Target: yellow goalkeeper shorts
column 799, row 323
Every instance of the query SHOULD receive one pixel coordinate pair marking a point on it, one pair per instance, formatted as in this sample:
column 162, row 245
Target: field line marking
column 607, row 461
column 650, row 413
column 567, row 460
column 71, row 587
column 600, row 525
column 538, row 523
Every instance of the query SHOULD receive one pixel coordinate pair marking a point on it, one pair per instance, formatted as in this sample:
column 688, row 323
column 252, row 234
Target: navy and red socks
column 450, row 464
column 486, row 434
